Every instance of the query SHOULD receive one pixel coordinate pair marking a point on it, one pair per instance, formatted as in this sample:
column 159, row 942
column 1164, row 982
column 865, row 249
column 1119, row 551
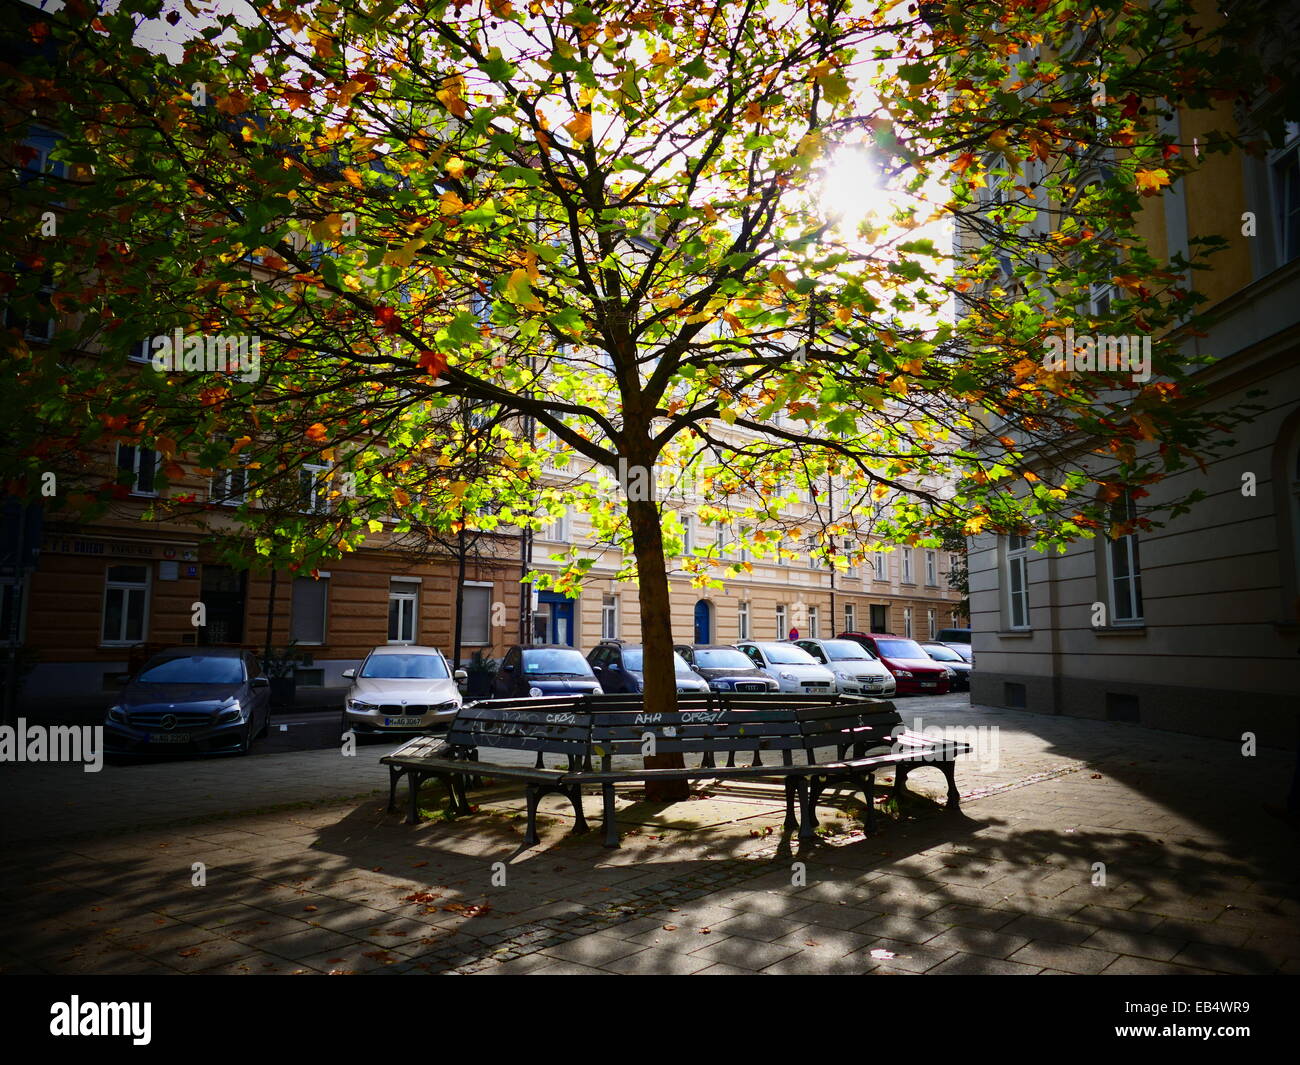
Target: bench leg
column 394, row 775
column 414, row 779
column 611, row 824
column 949, row 770
column 459, row 800
column 791, row 790
column 808, row 813
column 574, row 793
column 900, row 784
column 532, row 796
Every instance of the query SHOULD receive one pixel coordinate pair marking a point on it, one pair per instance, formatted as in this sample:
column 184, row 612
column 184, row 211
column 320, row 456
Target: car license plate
column 403, row 722
column 168, row 737
column 929, row 684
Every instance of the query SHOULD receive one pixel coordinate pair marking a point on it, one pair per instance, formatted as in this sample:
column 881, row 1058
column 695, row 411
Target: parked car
column 401, row 689
column 857, row 671
column 619, row 668
column 953, row 636
column 793, row 668
column 915, row 672
column 963, row 649
column 954, row 660
column 543, row 669
column 192, row 700
column 725, row 669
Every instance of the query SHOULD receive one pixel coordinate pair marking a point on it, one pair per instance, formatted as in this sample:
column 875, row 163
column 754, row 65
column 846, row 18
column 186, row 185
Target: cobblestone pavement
column 1083, row 847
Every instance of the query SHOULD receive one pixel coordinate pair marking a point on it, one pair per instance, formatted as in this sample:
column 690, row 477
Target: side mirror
column 612, row 667
column 348, row 674
column 261, row 682
column 460, row 675
column 507, row 669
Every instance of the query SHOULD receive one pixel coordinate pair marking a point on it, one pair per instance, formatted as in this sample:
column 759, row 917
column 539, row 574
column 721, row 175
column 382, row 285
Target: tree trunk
column 460, row 593
column 660, row 692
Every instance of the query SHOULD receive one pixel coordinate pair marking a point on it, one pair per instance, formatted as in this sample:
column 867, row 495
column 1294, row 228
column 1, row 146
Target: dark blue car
column 191, row 700
column 541, row 670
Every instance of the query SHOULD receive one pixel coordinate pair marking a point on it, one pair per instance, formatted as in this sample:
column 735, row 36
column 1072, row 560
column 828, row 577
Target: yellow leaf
column 579, row 126
column 375, row 526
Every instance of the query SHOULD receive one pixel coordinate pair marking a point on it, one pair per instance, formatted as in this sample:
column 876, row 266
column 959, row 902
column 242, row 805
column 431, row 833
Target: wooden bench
column 590, row 731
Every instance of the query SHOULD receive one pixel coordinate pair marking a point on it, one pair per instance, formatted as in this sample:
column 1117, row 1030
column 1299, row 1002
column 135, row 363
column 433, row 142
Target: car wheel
column 266, row 726
column 247, row 745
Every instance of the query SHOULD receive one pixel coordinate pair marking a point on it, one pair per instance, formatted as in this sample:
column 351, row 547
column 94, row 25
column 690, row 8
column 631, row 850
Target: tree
column 608, row 219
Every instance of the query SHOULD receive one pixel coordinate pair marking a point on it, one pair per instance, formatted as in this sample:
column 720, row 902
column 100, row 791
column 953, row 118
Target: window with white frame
column 142, row 351
column 308, row 609
column 141, row 463
column 931, row 568
column 850, row 559
column 1125, row 568
column 476, row 614
column 907, row 565
column 688, row 534
column 930, row 623
column 850, row 618
column 1284, row 169
column 559, row 528
column 403, row 604
column 608, row 617
column 907, row 622
column 1017, row 581
column 126, row 605
column 742, row 618
column 314, row 488
column 814, row 622
column 880, row 566
column 782, row 621
column 230, row 486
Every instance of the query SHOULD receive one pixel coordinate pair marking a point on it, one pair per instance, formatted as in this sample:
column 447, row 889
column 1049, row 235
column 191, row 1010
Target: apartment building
column 1195, row 626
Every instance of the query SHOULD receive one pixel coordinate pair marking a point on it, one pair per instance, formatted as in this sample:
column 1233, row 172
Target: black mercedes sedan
column 191, row 700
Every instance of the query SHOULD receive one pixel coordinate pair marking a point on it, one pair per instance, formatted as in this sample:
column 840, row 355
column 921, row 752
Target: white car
column 790, row 666
column 857, row 671
column 401, row 689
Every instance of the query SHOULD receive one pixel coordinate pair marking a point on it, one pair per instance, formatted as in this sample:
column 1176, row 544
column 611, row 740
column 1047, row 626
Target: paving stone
column 981, row 965
column 1049, row 929
column 1060, row 956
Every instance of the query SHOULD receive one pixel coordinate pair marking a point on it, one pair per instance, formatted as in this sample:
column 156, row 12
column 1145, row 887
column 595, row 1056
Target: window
column 907, row 622
column 308, row 609
column 850, row 618
column 403, row 596
column 782, row 621
column 850, row 559
column 814, row 618
column 1125, row 568
column 559, row 528
column 907, row 565
column 744, row 543
column 742, row 617
column 40, row 326
column 930, row 623
column 1017, row 581
column 608, row 618
column 781, row 560
column 141, row 463
column 35, row 154
column 143, row 351
column 476, row 614
column 1286, row 196
column 931, row 568
column 230, row 486
column 880, row 564
column 314, row 488
column 126, row 601
column 688, row 535
column 879, row 618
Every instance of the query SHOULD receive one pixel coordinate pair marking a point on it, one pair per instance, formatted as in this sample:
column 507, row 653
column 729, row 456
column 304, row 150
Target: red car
column 915, row 672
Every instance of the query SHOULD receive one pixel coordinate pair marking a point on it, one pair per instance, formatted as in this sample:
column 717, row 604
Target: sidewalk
column 1197, row 877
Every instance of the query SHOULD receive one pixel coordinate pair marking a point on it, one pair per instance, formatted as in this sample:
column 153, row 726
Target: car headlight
column 844, row 677
column 233, row 712
column 360, row 705
column 116, row 713
column 534, row 693
column 902, row 673
column 948, row 674
column 723, row 685
column 787, row 676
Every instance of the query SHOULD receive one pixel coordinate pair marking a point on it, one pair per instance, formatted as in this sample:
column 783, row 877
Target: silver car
column 401, row 689
column 857, row 671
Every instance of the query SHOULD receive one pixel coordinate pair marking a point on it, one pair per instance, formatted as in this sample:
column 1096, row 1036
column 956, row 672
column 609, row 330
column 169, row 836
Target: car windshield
column 787, row 654
column 194, row 669
column 404, row 667
column 942, row 654
column 900, row 649
column 722, row 659
column 565, row 663
column 633, row 659
column 847, row 651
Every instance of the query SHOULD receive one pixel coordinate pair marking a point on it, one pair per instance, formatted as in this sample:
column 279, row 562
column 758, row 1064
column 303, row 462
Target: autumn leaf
column 432, row 362
column 1151, row 182
column 579, row 126
column 317, row 433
